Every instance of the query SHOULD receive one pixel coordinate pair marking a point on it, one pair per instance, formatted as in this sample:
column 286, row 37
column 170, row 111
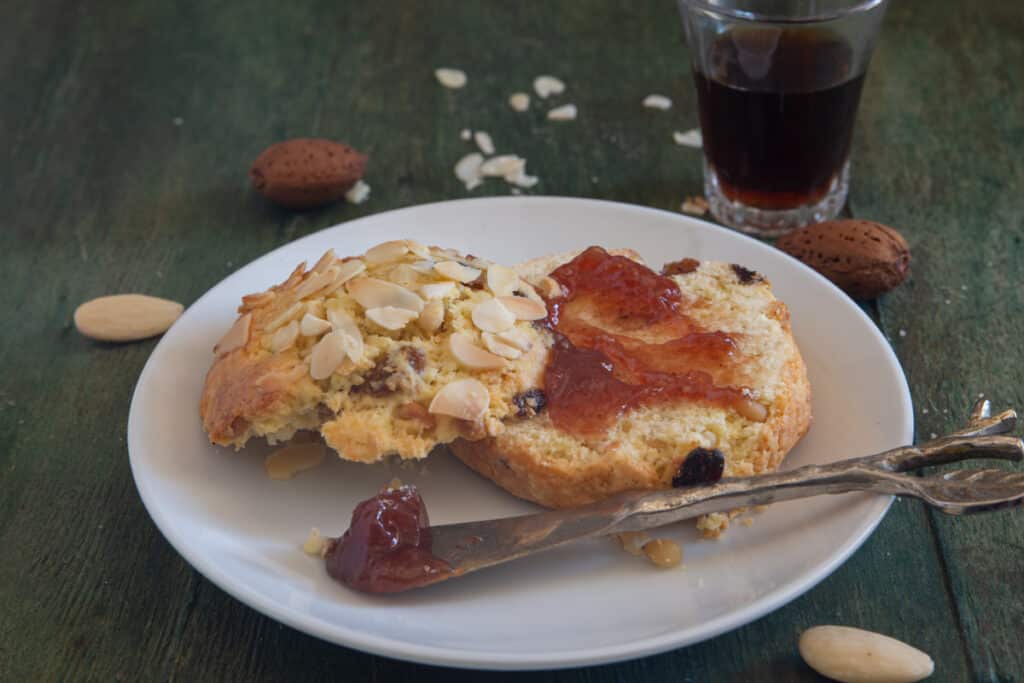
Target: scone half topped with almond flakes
column 391, row 352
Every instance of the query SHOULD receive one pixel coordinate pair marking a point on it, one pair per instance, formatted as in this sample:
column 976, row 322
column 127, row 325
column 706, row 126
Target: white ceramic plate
column 585, row 604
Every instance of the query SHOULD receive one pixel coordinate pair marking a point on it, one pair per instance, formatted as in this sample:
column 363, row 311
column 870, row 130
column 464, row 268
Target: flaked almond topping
column 451, row 78
column 527, row 290
column 691, row 138
column 432, row 316
column 370, row 292
column 291, row 313
column 312, row 326
column 386, row 252
column 351, row 337
column 501, row 280
column 285, row 337
column 426, row 266
column 464, row 399
column 348, row 270
column 523, row 308
column 492, row 316
column 405, row 275
column 358, row 193
column 503, row 166
column 467, row 169
column 469, row 355
column 657, row 102
column 439, row 290
column 519, row 101
column 236, row 337
column 484, row 142
column 328, row 354
column 315, row 282
column 547, row 85
column 550, row 288
column 515, row 337
column 391, row 318
column 456, row 271
column 496, row 346
column 567, row 112
column 420, row 250
column 326, row 260
column 285, row 463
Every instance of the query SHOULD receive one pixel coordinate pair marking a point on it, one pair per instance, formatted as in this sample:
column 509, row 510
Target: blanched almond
column 291, row 313
column 456, row 271
column 438, row 290
column 523, row 308
column 465, row 399
column 373, row 293
column 471, row 356
column 492, row 316
column 328, row 354
column 126, row 317
column 515, row 337
column 496, row 346
column 853, row 655
column 501, row 280
column 391, row 318
column 236, row 337
column 285, row 463
column 312, row 326
column 386, row 252
column 285, row 337
column 432, row 316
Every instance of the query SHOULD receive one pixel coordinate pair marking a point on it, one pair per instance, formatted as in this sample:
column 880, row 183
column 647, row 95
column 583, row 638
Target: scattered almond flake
column 515, row 337
column 420, row 250
column 496, row 346
column 391, row 318
column 451, row 78
column 547, row 85
column 438, row 290
column 456, row 271
column 469, row 355
column 432, row 316
column 312, row 326
column 425, row 266
column 358, row 193
column 324, row 262
column 467, row 169
column 284, row 338
column 504, row 165
column 291, row 313
column 656, row 101
column 370, row 292
column 285, row 463
column 327, row 355
column 236, row 337
column 567, row 112
column 691, row 138
column 484, row 142
column 466, row 134
column 502, row 280
column 386, row 252
column 524, row 308
column 633, row 541
column 520, row 179
column 519, row 101
column 698, row 206
column 316, row 544
column 465, row 399
column 903, row 333
column 492, row 316
column 405, row 275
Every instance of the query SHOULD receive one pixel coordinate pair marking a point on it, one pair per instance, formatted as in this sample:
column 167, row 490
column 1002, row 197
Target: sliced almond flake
column 456, row 271
column 501, row 280
column 315, row 282
column 550, row 287
column 358, row 193
column 405, row 275
column 439, row 290
column 351, row 338
column 567, row 112
column 432, row 317
column 519, row 101
column 655, row 101
column 312, row 326
column 236, row 337
column 523, row 308
column 503, row 166
column 522, row 180
column 527, row 290
column 348, row 270
column 469, row 355
column 420, row 250
column 496, row 346
column 285, row 463
column 426, row 266
column 326, row 260
column 545, row 86
column 691, row 138
column 386, row 252
column 289, row 314
column 516, row 337
column 484, row 142
column 371, row 292
column 464, row 399
column 391, row 318
column 492, row 316
column 327, row 355
column 467, row 169
column 285, row 337
column 451, row 78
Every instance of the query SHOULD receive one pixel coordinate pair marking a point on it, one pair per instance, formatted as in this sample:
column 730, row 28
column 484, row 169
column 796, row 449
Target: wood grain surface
column 127, row 129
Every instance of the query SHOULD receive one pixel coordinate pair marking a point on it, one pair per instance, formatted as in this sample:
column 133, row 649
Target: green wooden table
column 126, row 132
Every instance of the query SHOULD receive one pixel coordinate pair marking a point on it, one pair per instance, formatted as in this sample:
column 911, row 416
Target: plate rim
column 496, row 660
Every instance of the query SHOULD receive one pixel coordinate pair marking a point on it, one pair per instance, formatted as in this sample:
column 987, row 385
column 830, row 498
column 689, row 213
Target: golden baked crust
column 380, row 399
column 644, row 449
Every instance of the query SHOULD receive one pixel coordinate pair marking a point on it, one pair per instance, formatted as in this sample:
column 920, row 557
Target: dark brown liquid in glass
column 777, row 112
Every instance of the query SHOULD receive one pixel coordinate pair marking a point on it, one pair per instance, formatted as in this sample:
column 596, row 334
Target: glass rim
column 747, row 15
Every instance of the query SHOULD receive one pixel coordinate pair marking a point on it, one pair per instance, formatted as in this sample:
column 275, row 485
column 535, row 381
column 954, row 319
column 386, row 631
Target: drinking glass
column 778, row 84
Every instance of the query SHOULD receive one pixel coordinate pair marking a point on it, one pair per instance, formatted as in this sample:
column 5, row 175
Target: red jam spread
column 387, row 548
column 623, row 339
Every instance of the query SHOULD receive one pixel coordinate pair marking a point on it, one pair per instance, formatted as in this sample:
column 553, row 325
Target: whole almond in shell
column 126, row 317
column 305, row 172
column 863, row 258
